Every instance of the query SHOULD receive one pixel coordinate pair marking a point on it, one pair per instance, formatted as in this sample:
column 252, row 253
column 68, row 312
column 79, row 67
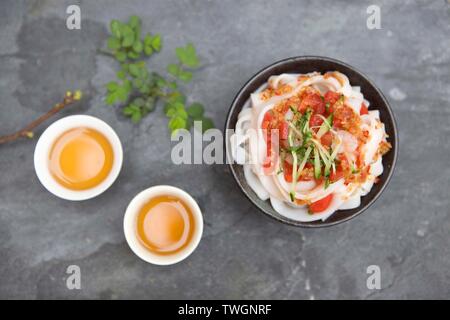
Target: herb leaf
column 113, row 43
column 195, row 111
column 156, row 42
column 185, row 76
column 115, row 28
column 140, row 90
column 173, row 69
column 188, row 56
column 207, row 123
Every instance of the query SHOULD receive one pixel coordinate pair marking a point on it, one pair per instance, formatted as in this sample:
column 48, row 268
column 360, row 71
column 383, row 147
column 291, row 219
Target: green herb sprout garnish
column 353, row 168
column 325, row 126
column 317, row 164
column 327, row 182
column 294, row 162
column 292, row 196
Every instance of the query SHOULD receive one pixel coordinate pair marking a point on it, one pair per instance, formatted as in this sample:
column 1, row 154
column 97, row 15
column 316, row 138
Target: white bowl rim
column 46, row 141
column 130, row 217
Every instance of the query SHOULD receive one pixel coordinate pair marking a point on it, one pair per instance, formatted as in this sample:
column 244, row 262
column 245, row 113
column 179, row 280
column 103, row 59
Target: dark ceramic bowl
column 307, row 64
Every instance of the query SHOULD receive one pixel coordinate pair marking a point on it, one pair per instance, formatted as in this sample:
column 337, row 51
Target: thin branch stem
column 105, row 53
column 27, row 131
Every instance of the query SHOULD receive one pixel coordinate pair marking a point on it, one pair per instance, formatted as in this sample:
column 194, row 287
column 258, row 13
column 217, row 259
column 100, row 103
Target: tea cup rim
column 130, row 221
column 47, row 140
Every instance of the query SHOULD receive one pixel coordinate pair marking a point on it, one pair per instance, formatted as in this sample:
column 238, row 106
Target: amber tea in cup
column 165, row 225
column 81, row 158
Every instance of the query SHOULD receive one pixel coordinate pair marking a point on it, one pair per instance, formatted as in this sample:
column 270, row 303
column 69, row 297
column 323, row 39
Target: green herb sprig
column 140, row 90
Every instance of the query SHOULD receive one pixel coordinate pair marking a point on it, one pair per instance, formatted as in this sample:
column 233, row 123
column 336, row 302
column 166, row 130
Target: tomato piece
column 266, row 126
column 364, row 109
column 268, row 116
column 287, row 170
column 314, row 101
column 315, row 121
column 320, row 108
column 337, row 123
column 321, row 205
column 288, row 177
column 331, row 97
column 269, row 145
column 266, row 120
column 267, row 163
column 284, row 130
column 335, row 176
column 330, row 110
column 284, row 144
column 327, row 139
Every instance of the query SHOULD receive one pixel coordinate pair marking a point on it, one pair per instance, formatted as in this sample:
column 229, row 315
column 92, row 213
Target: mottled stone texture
column 242, row 254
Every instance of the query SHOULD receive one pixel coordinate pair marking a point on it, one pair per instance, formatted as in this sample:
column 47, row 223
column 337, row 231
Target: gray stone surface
column 242, row 254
